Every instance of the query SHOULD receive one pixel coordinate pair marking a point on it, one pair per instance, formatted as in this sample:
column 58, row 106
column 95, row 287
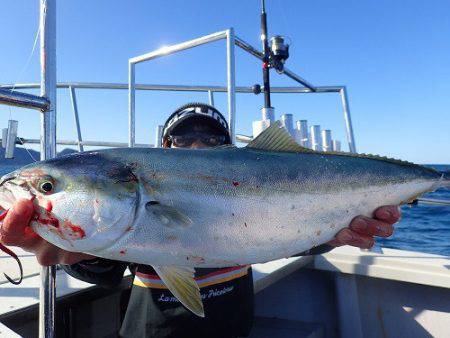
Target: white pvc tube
column 288, row 123
column 316, row 143
column 327, row 144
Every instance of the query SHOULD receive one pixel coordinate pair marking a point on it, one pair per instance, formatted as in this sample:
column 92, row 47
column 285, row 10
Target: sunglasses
column 186, row 140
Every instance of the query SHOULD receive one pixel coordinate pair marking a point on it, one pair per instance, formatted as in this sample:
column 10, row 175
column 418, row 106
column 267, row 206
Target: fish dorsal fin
column 180, row 281
column 277, row 138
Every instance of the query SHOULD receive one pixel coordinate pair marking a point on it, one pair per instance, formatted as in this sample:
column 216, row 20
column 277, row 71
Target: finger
column 389, row 214
column 69, row 258
column 349, row 237
column 13, row 230
column 48, row 254
column 371, row 227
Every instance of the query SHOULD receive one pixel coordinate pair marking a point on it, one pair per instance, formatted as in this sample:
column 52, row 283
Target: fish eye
column 45, row 186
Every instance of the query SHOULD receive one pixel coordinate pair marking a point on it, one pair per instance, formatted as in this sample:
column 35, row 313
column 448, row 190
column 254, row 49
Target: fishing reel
column 279, row 52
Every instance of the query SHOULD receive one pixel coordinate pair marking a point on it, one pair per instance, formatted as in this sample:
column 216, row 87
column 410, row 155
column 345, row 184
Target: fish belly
column 245, row 230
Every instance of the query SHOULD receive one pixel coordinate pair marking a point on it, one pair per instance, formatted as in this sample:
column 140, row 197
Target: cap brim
column 198, row 118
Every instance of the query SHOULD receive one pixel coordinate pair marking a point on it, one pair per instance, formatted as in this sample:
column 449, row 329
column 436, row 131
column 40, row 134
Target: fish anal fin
column 277, row 138
column 180, row 281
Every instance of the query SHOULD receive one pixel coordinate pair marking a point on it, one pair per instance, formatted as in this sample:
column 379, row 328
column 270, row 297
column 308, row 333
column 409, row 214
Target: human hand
column 15, row 231
column 361, row 231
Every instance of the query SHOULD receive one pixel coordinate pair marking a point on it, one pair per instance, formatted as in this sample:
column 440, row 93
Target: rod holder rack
column 23, row 100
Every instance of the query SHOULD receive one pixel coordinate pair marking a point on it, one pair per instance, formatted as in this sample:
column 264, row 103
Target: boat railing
column 72, row 87
column 9, row 96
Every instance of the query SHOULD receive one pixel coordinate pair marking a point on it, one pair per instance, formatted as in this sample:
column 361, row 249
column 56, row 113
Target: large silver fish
column 176, row 209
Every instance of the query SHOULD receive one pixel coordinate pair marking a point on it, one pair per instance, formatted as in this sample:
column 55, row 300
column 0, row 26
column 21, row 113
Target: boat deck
column 341, row 277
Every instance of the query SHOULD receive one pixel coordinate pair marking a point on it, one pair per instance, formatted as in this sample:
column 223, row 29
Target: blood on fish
column 47, row 221
column 3, row 215
column 235, row 183
column 48, row 218
column 75, row 228
column 122, row 252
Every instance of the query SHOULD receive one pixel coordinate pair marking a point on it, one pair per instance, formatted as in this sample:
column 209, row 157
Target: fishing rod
column 266, row 58
column 273, row 57
column 431, row 201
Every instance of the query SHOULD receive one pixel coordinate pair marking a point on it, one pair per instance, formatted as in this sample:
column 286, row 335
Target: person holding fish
column 227, row 293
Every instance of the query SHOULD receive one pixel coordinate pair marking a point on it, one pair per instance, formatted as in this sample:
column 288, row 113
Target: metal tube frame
column 174, row 88
column 47, row 27
column 11, row 136
column 348, row 120
column 231, row 88
column 228, row 34
column 73, row 98
column 211, row 98
column 231, row 85
column 23, row 100
column 205, row 88
column 22, row 141
column 131, row 104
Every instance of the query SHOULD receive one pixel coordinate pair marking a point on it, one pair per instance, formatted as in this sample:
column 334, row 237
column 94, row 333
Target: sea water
column 423, row 228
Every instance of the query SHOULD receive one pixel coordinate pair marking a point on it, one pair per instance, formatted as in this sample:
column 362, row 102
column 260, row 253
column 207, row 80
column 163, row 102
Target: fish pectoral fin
column 168, row 215
column 180, row 281
column 277, row 138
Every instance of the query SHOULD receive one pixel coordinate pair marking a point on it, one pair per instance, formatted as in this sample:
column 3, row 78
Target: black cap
column 201, row 112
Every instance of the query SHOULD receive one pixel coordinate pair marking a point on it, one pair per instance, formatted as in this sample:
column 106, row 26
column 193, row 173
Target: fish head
column 83, row 202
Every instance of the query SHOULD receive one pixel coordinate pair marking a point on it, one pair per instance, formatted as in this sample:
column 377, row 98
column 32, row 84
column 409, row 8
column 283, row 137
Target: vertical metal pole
column 73, row 97
column 350, row 324
column 47, row 26
column 211, row 97
column 131, row 105
column 158, row 136
column 231, row 85
column 4, row 137
column 266, row 58
column 348, row 120
column 11, row 138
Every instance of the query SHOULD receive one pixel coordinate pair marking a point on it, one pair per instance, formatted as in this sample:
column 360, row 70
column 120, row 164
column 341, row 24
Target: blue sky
column 393, row 56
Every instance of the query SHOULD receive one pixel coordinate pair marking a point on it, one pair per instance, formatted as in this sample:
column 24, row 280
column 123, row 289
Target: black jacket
column 227, row 295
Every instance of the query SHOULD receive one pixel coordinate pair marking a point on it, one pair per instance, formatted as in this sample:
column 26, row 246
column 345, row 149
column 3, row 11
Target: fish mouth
column 8, row 178
column 13, row 188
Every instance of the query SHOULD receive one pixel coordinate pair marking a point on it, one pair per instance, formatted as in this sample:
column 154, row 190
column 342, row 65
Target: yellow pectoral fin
column 180, row 281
